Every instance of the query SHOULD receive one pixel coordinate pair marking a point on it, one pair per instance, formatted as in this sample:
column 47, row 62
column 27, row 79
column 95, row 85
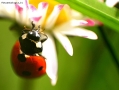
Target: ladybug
column 27, row 60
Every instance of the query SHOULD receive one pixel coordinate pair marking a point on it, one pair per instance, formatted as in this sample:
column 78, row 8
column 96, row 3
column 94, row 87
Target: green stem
column 109, row 46
column 26, row 84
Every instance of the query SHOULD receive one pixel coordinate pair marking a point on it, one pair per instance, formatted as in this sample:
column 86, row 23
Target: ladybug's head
column 31, row 40
column 32, row 34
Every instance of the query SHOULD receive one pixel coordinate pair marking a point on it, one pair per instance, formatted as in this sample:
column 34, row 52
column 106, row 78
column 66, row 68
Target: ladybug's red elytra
column 27, row 60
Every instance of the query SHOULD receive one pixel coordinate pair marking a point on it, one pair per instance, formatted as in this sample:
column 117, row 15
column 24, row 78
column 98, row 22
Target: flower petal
column 34, row 14
column 53, row 16
column 32, row 8
column 111, row 3
column 77, row 15
column 87, row 22
column 78, row 23
column 49, row 51
column 18, row 8
column 64, row 41
column 67, row 29
column 90, row 22
column 21, row 12
column 7, row 10
column 25, row 3
column 80, row 32
column 42, row 10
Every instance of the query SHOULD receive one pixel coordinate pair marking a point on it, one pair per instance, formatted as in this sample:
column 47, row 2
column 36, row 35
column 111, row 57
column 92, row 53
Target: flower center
column 63, row 16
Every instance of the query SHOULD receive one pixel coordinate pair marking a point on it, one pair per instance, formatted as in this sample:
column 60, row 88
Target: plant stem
column 26, row 84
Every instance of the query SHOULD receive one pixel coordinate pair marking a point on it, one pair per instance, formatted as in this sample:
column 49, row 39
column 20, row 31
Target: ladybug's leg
column 44, row 37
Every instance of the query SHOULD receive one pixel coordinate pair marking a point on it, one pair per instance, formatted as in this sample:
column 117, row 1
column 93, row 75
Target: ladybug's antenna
column 33, row 25
column 39, row 28
column 25, row 28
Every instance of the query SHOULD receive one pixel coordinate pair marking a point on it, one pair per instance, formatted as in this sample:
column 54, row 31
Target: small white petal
column 34, row 14
column 22, row 16
column 76, row 14
column 111, row 3
column 64, row 41
column 18, row 12
column 42, row 10
column 53, row 16
column 80, row 32
column 49, row 51
column 64, row 26
column 78, row 22
column 67, row 11
column 67, row 29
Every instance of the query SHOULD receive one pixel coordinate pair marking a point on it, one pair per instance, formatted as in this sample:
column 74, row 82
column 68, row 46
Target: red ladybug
column 27, row 60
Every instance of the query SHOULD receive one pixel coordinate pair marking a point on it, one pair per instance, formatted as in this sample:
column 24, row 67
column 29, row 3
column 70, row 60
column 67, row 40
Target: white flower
column 25, row 13
column 110, row 3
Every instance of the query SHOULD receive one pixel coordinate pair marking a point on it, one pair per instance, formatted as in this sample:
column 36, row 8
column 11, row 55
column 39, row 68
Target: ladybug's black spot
column 21, row 57
column 40, row 68
column 26, row 73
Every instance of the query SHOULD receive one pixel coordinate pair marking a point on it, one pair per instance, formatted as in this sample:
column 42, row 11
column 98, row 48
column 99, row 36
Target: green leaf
column 96, row 10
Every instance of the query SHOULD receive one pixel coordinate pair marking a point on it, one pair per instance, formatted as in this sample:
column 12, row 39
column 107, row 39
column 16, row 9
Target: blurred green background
column 90, row 68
